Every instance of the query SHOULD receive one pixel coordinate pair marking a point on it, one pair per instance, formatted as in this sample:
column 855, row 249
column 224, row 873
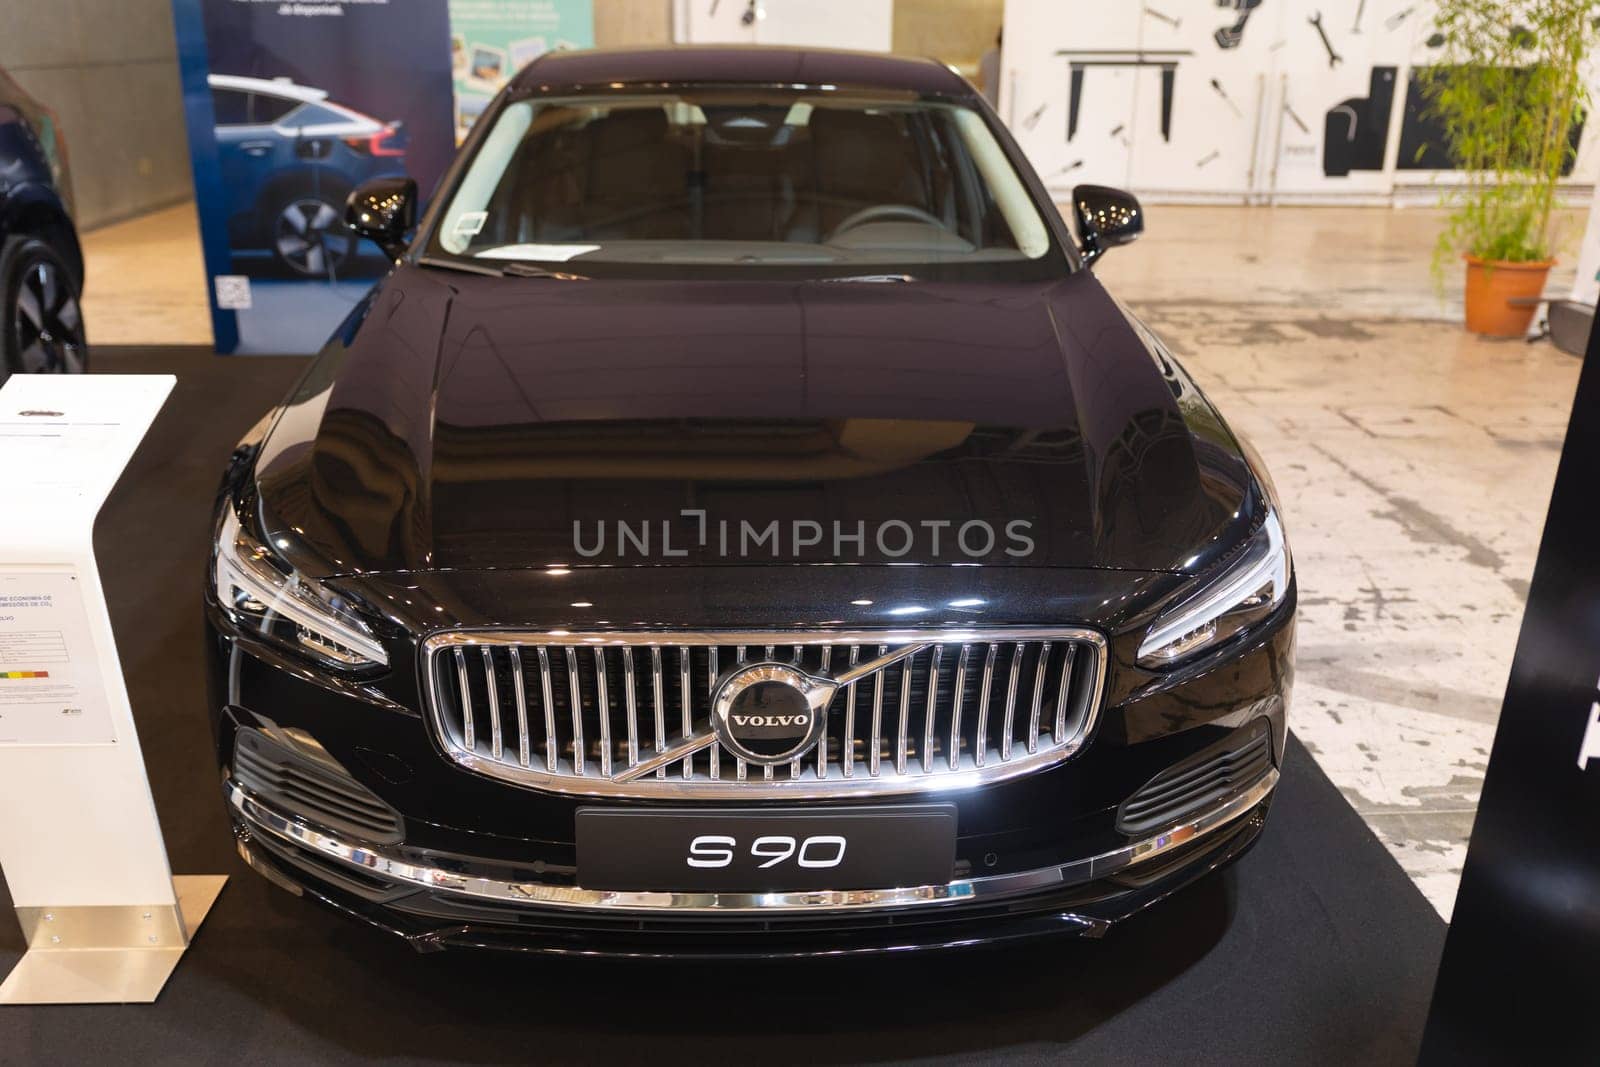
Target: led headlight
column 264, row 595
column 1252, row 584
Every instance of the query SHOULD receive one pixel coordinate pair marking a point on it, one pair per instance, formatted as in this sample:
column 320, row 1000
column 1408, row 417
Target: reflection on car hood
column 460, row 421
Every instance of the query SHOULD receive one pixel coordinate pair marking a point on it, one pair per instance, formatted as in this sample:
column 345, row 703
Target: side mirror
column 383, row 210
column 1106, row 217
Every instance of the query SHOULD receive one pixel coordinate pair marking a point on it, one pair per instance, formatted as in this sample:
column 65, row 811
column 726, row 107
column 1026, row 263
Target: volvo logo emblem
column 770, row 713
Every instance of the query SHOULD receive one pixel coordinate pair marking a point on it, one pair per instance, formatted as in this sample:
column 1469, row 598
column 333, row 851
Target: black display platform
column 1314, row 948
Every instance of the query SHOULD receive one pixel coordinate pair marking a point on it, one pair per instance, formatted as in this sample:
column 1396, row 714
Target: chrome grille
column 570, row 711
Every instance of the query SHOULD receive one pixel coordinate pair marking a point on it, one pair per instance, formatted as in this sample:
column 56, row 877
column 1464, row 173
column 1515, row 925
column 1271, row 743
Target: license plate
column 759, row 850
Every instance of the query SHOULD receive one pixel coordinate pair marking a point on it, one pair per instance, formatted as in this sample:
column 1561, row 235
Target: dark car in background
column 741, row 524
column 289, row 157
column 41, row 263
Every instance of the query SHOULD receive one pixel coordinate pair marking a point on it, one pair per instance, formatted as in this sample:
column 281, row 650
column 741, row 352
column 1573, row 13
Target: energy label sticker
column 50, row 687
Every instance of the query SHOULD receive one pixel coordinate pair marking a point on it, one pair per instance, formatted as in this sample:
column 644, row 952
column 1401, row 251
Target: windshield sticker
column 470, row 223
column 549, row 253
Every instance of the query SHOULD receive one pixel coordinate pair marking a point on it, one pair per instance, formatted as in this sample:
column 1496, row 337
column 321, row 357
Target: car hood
column 459, row 421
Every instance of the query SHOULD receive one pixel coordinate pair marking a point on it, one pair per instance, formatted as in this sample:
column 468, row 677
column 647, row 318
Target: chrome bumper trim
column 542, row 895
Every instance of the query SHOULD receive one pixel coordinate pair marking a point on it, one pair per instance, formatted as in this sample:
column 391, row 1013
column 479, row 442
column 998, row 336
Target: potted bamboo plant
column 1508, row 91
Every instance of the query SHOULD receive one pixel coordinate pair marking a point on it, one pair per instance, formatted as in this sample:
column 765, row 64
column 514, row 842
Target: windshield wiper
column 462, row 265
column 873, row 278
column 533, row 270
column 515, row 269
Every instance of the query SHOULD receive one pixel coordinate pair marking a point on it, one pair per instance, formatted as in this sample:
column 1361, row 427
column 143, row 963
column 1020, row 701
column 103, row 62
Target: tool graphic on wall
column 1231, row 36
column 1079, row 61
column 1216, row 86
column 1162, row 16
column 1334, row 58
column 1356, row 131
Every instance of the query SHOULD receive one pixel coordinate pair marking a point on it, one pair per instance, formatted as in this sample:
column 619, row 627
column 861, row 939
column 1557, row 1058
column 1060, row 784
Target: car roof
column 270, row 86
column 738, row 64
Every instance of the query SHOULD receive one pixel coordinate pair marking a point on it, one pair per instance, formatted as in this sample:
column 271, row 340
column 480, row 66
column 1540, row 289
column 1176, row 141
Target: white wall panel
column 1220, row 99
column 1336, row 123
column 1262, row 107
column 1073, row 129
column 866, row 25
column 708, row 22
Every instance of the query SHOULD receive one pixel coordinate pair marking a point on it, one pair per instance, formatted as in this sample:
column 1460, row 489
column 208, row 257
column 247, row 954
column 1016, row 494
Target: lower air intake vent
column 316, row 790
column 1199, row 782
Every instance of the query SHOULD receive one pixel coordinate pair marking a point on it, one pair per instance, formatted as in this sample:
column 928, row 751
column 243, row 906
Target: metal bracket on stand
column 107, row 954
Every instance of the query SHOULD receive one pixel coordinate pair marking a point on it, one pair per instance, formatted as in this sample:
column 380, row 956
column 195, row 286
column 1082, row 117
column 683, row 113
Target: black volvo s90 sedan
column 741, row 524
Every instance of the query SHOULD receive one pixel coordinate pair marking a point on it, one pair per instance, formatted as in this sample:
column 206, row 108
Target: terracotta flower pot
column 1502, row 297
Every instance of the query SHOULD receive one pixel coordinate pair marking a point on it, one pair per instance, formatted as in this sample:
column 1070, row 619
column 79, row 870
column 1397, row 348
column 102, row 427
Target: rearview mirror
column 1106, row 217
column 383, row 210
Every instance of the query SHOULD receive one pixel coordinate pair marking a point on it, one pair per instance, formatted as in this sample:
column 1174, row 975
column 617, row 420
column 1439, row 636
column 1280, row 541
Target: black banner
column 1519, row 974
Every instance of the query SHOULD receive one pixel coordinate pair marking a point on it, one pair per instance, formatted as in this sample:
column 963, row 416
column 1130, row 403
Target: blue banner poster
column 490, row 40
column 289, row 106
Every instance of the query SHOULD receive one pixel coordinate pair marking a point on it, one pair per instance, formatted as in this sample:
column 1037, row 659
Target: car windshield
column 815, row 181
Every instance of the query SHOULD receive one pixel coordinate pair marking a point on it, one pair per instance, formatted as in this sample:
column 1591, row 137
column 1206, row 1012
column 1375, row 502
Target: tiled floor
column 1344, row 262
column 1415, row 463
column 1415, row 466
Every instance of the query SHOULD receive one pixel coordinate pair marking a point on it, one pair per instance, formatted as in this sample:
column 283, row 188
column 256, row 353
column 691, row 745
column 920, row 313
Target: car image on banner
column 289, row 107
column 289, row 157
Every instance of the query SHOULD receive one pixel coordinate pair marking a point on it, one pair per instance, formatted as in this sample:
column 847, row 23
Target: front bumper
column 436, row 901
column 471, row 861
column 394, row 866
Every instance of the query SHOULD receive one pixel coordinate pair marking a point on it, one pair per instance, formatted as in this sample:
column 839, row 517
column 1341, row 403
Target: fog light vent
column 1199, row 782
column 315, row 790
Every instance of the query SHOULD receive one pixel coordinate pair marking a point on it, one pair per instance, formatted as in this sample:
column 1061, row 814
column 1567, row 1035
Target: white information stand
column 80, row 846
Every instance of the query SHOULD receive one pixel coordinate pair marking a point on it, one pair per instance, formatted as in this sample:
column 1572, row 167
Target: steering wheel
column 884, row 211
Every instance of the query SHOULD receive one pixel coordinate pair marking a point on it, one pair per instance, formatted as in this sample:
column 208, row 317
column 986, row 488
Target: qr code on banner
column 233, row 292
